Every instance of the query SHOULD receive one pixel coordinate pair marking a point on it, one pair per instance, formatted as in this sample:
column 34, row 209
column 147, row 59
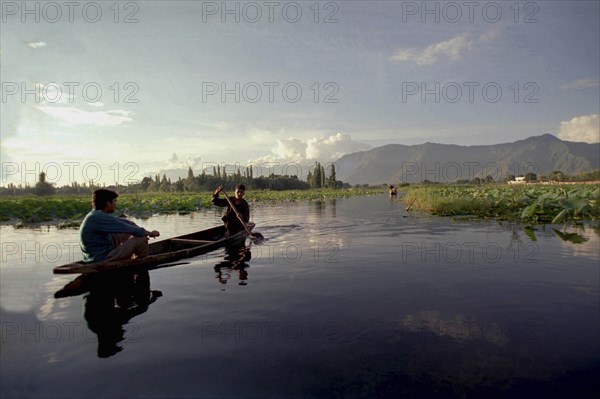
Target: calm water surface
column 346, row 298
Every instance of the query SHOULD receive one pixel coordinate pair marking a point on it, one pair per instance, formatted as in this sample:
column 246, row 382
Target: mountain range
column 396, row 163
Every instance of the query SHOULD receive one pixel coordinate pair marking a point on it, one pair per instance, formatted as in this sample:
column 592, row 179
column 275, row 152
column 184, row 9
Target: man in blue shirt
column 105, row 237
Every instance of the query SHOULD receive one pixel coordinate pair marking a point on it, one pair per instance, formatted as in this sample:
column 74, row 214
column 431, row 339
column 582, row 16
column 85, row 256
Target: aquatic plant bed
column 530, row 203
column 69, row 210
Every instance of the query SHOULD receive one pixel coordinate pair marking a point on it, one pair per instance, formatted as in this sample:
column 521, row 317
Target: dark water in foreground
column 350, row 298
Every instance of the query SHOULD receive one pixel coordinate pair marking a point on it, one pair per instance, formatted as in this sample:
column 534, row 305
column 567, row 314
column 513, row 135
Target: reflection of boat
column 161, row 252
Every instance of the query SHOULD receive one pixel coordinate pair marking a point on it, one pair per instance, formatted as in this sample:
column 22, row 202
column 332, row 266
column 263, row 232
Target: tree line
column 202, row 182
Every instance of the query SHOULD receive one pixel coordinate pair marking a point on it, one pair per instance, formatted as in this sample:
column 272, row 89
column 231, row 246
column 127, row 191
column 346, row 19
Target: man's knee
column 140, row 245
column 137, row 246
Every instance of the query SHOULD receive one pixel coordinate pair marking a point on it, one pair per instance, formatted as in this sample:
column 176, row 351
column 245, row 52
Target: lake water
column 348, row 298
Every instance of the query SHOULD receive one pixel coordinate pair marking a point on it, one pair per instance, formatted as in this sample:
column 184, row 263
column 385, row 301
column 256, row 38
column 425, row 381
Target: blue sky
column 159, row 85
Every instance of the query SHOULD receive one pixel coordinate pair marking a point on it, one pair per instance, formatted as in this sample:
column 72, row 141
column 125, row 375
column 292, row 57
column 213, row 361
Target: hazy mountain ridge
column 394, row 163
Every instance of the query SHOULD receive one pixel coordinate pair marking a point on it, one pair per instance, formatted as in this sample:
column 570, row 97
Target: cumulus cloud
column 193, row 161
column 316, row 148
column 332, row 147
column 290, row 149
column 585, row 128
column 450, row 48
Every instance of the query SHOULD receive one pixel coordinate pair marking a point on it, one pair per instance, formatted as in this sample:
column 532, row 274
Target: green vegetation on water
column 69, row 210
column 530, row 203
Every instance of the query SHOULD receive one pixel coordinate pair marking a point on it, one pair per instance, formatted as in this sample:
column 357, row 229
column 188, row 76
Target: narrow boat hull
column 161, row 252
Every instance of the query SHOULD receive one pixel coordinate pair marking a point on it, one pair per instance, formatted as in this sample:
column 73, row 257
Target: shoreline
column 56, row 211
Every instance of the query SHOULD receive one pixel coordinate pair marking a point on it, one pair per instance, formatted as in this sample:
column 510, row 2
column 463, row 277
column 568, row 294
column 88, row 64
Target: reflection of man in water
column 114, row 300
column 235, row 259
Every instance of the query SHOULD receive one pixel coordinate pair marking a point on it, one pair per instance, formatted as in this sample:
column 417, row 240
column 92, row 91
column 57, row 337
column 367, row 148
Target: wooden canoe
column 161, row 252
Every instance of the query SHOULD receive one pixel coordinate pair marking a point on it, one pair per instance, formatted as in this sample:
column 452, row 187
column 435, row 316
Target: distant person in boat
column 393, row 190
column 102, row 236
column 232, row 223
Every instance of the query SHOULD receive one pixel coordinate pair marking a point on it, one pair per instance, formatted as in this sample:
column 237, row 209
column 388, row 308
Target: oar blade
column 257, row 238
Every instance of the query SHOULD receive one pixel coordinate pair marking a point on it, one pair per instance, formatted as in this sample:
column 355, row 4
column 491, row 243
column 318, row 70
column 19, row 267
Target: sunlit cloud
column 52, row 93
column 585, row 128
column 316, row 148
column 193, row 161
column 332, row 147
column 290, row 149
column 450, row 48
column 581, row 83
column 36, row 44
column 74, row 116
column 490, row 35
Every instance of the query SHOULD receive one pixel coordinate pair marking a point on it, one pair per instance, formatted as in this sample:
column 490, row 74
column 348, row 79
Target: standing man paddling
column 105, row 237
column 232, row 223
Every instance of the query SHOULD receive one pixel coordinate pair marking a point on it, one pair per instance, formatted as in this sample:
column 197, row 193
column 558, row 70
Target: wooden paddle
column 256, row 237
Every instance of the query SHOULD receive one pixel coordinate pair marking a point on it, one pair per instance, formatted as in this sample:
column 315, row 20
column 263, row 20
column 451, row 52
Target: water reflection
column 575, row 238
column 235, row 262
column 360, row 297
column 321, row 208
column 113, row 300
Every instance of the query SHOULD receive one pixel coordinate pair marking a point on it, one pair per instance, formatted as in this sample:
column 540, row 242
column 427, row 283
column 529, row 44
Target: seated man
column 105, row 237
column 232, row 223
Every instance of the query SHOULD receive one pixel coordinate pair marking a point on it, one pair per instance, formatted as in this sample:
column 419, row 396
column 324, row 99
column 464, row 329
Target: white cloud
column 317, row 148
column 332, row 147
column 585, row 128
column 175, row 162
column 36, row 44
column 450, row 48
column 290, row 149
column 490, row 35
column 52, row 93
column 581, row 83
column 74, row 116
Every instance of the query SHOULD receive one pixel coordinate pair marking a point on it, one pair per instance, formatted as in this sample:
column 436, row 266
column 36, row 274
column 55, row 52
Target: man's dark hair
column 101, row 197
column 240, row 187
